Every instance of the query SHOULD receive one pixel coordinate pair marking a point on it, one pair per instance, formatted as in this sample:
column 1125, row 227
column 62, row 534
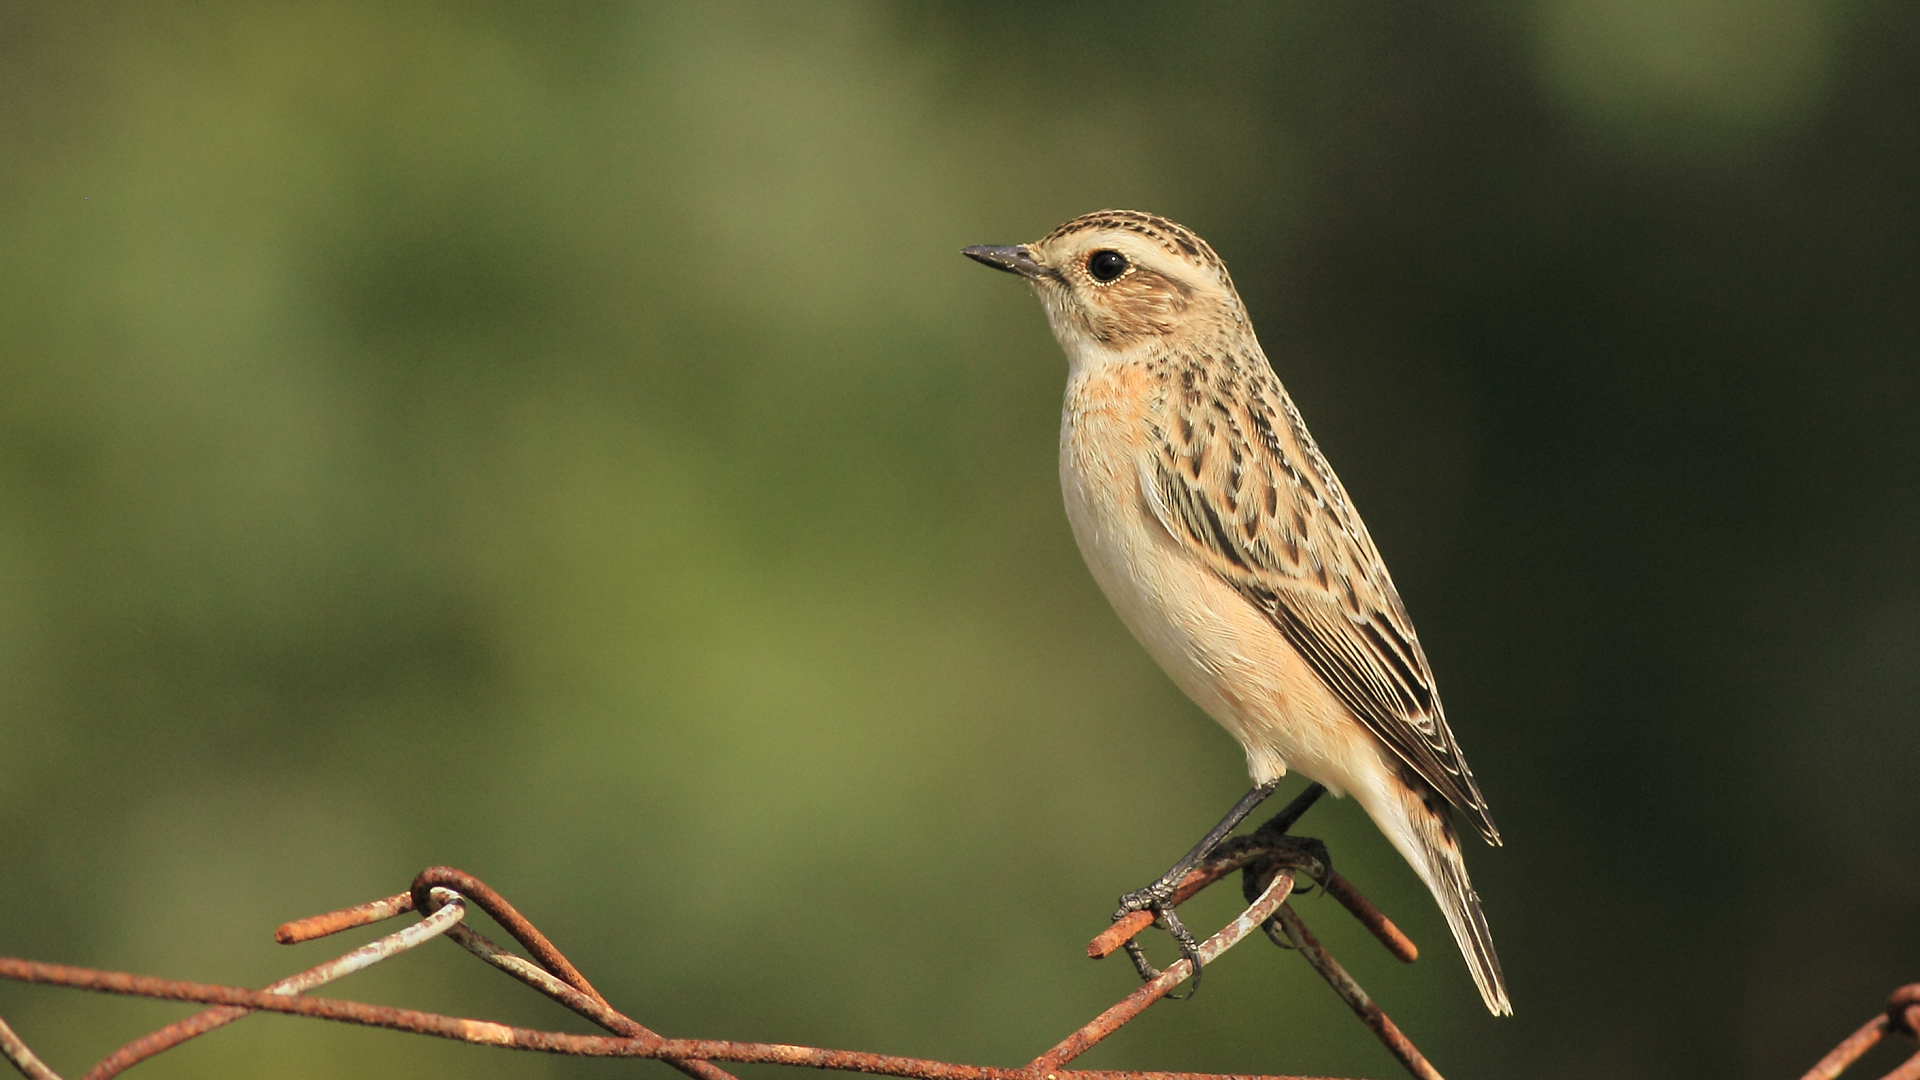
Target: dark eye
column 1106, row 264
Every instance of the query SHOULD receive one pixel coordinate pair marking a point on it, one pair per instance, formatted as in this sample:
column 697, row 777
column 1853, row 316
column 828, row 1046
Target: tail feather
column 1462, row 907
column 1445, row 873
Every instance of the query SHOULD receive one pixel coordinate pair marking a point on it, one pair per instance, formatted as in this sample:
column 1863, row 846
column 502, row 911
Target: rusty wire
column 1902, row 1015
column 1269, row 859
column 583, row 1001
column 1270, row 862
column 453, row 909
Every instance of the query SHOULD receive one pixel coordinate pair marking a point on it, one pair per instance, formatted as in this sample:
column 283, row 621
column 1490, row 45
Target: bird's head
column 1116, row 280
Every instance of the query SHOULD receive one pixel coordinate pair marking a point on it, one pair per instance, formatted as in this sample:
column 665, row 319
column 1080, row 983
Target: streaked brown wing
column 1234, row 474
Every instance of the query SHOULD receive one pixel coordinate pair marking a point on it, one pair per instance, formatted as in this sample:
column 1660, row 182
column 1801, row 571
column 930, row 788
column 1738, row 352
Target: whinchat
column 1228, row 546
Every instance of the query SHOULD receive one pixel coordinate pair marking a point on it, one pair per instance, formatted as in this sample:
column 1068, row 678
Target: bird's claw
column 1157, row 898
column 1153, row 898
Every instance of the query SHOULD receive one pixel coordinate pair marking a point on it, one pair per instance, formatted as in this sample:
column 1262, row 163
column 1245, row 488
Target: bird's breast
column 1213, row 643
column 1106, row 434
column 1158, row 588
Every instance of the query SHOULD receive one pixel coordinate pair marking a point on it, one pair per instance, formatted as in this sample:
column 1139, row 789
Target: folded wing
column 1234, row 474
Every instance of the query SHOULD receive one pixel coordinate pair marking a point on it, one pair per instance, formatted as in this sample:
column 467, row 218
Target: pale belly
column 1214, row 644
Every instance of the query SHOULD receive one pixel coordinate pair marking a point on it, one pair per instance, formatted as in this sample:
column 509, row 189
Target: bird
column 1226, row 544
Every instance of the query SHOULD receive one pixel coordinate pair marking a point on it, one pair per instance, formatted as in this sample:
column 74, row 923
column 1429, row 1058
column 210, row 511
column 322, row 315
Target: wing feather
column 1235, row 475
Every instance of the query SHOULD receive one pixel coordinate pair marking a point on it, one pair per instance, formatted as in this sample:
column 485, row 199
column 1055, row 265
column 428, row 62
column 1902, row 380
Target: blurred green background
column 564, row 441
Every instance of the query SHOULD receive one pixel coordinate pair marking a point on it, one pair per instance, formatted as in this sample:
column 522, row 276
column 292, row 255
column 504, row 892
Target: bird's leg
column 1275, row 828
column 1278, row 824
column 1155, row 897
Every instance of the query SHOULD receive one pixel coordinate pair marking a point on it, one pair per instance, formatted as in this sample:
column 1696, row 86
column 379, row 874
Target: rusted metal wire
column 1370, row 1014
column 319, row 926
column 440, row 895
column 487, row 1033
column 1382, row 928
column 1154, row 989
column 1270, row 863
column 1902, row 1016
column 452, row 911
column 1903, row 1010
column 21, row 1058
column 442, row 892
column 549, row 958
column 506, row 915
column 1267, row 850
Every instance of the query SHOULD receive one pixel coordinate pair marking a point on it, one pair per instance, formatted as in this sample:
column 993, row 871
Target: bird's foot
column 1303, row 853
column 1158, row 899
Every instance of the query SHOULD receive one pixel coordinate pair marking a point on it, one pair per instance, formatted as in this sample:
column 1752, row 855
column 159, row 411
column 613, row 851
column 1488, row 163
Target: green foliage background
column 562, row 440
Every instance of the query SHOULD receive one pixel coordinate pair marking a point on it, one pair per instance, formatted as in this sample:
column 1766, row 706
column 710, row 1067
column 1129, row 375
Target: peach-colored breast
column 1210, row 640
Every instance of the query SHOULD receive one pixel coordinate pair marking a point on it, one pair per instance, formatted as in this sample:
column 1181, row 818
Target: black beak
column 1014, row 260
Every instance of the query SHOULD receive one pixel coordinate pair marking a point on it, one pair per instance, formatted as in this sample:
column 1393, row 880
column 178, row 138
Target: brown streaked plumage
column 1231, row 550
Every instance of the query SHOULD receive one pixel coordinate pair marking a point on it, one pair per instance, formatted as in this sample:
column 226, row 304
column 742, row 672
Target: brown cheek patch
column 1143, row 303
